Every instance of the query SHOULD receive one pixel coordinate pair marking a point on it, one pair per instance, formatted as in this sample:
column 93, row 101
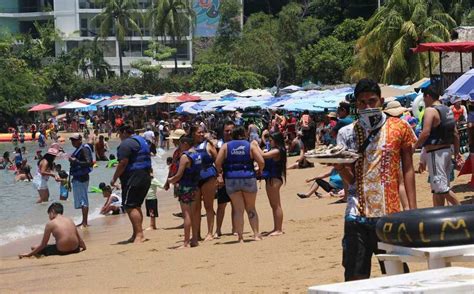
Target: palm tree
column 383, row 52
column 121, row 16
column 171, row 18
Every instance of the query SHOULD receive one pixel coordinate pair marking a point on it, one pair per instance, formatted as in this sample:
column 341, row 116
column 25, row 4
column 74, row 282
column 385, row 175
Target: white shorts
column 40, row 182
column 439, row 167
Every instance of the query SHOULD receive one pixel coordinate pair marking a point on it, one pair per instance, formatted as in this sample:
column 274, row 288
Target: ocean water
column 21, row 217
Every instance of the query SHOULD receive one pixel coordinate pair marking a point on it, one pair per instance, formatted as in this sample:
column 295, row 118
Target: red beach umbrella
column 42, row 107
column 188, row 98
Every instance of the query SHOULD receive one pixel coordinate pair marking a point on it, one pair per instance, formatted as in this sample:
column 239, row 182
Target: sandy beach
column 308, row 254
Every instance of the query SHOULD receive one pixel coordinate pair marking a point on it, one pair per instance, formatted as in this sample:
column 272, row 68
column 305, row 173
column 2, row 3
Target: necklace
column 359, row 170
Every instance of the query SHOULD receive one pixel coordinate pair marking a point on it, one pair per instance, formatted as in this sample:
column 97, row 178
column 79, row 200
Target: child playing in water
column 23, row 172
column 68, row 240
column 38, row 155
column 151, row 201
column 63, row 185
column 113, row 202
column 42, row 140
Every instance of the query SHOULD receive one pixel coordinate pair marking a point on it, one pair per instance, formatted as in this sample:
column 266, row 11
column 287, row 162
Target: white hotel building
column 73, row 19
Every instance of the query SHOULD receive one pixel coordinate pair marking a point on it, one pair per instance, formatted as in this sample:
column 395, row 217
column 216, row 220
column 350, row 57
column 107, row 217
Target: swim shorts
column 245, row 185
column 53, row 250
column 133, row 196
column 186, row 194
column 151, row 207
column 79, row 190
column 222, row 196
column 63, row 192
column 439, row 168
column 40, row 182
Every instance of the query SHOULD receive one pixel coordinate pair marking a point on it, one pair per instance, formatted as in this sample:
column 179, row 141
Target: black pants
column 324, row 185
column 358, row 245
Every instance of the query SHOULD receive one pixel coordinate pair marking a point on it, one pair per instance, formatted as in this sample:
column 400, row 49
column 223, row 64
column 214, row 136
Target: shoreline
column 13, row 248
column 309, row 253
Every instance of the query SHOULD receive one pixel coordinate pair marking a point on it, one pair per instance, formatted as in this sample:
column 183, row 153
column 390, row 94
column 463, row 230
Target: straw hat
column 176, row 134
column 332, row 114
column 394, row 108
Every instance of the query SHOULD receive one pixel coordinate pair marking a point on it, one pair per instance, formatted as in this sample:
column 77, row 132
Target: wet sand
column 309, row 253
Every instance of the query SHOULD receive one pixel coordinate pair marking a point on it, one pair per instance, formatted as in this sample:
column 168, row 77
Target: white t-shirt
column 149, row 136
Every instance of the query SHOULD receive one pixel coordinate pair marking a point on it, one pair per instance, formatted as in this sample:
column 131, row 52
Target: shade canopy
column 445, row 47
column 42, row 107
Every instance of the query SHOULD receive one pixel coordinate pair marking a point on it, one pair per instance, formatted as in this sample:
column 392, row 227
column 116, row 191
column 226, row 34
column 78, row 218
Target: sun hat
column 394, row 108
column 53, row 151
column 57, row 147
column 332, row 114
column 176, row 134
column 75, row 136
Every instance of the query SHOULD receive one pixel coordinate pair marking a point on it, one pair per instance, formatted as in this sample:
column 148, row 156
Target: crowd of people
column 223, row 156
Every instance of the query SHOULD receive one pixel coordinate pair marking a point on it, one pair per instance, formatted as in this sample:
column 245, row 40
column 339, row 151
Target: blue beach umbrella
column 462, row 87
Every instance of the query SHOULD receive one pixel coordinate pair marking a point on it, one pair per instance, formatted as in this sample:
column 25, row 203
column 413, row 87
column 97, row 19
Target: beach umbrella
column 187, row 108
column 104, row 102
column 41, row 107
column 74, row 105
column 169, row 98
column 186, row 97
column 227, row 92
column 255, row 93
column 462, row 87
column 292, row 88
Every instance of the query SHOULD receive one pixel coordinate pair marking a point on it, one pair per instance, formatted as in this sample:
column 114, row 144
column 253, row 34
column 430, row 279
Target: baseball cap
column 75, row 136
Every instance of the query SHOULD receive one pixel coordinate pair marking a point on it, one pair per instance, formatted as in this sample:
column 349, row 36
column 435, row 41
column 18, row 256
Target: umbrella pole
column 429, row 62
column 441, row 69
column 460, row 58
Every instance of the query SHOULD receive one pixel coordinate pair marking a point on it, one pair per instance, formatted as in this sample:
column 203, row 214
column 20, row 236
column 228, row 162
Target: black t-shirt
column 128, row 149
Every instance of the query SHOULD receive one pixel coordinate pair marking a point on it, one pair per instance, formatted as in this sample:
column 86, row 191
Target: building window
column 109, row 48
column 134, row 48
column 36, row 5
column 89, row 4
column 144, row 4
column 70, row 45
column 182, row 52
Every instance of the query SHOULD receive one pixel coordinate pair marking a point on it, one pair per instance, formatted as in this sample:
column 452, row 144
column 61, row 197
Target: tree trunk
column 120, row 57
column 175, row 55
column 278, row 81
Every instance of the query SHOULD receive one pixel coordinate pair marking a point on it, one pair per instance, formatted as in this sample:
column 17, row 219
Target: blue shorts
column 79, row 190
column 63, row 192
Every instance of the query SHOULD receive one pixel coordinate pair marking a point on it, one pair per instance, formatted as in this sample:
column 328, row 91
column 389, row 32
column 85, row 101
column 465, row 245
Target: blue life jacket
column 208, row 169
column 76, row 169
column 238, row 163
column 142, row 159
column 18, row 158
column 190, row 176
column 272, row 169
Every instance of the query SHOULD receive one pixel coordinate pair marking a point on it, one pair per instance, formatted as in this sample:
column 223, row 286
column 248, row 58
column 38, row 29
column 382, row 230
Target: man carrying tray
column 383, row 143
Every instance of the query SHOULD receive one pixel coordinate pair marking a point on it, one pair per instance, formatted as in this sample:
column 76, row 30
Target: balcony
column 90, row 4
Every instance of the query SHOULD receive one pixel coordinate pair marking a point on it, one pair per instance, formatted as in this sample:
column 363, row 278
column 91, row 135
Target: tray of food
column 331, row 154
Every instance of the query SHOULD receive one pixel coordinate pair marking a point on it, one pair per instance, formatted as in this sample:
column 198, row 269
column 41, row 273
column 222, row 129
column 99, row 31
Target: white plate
column 328, row 160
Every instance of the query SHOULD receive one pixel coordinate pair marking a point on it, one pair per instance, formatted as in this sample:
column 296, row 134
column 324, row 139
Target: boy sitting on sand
column 64, row 230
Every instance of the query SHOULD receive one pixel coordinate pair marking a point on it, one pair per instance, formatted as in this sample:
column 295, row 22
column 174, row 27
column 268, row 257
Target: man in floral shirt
column 384, row 143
